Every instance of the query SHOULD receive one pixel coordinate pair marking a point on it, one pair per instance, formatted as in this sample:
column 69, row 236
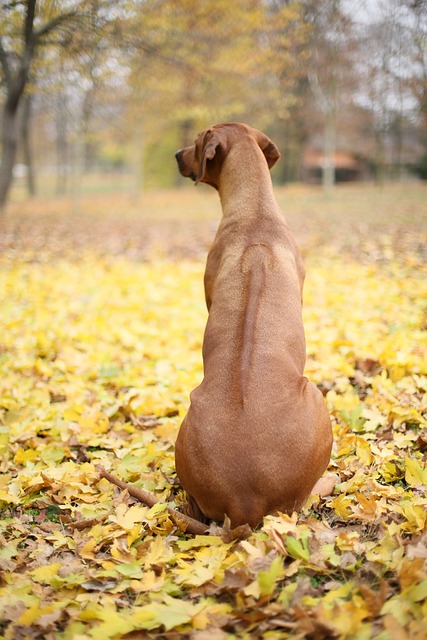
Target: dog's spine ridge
column 256, row 260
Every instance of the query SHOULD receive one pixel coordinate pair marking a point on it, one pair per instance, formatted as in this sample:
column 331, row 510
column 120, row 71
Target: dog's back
column 257, row 435
column 254, row 421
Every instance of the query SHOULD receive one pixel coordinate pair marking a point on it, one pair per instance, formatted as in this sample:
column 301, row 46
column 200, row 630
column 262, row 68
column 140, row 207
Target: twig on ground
column 190, row 525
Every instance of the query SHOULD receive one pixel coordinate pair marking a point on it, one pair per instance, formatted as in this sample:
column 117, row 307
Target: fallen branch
column 180, row 519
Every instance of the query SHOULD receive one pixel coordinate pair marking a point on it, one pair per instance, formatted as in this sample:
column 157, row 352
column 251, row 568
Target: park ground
column 101, row 323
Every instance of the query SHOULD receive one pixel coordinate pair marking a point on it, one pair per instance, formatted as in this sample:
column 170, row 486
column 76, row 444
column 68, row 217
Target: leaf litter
column 97, row 358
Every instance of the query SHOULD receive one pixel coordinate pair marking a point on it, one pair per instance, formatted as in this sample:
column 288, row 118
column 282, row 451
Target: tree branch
column 319, row 94
column 29, row 23
column 180, row 519
column 4, row 61
column 52, row 24
column 12, row 4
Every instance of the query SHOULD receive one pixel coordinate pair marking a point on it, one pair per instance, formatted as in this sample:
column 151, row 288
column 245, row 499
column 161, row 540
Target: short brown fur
column 257, row 435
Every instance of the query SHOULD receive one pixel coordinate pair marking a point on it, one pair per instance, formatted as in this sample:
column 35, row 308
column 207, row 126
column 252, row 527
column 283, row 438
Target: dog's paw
column 325, row 485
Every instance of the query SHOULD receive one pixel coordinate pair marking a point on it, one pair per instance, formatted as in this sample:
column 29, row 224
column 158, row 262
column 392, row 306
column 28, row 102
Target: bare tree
column 26, row 146
column 418, row 77
column 18, row 20
column 329, row 71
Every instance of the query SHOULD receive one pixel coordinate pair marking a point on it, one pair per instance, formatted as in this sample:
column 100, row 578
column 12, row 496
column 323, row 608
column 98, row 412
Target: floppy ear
column 270, row 151
column 211, row 142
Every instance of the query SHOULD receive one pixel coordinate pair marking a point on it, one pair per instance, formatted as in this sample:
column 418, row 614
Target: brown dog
column 257, row 435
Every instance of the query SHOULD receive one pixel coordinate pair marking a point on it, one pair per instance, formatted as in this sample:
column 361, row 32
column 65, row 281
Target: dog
column 257, row 435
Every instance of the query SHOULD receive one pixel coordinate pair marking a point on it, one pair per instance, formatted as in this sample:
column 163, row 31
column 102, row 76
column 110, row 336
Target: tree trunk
column 26, row 146
column 78, row 172
column 62, row 148
column 15, row 82
column 79, row 157
column 137, row 162
column 15, row 88
column 10, row 143
column 379, row 158
column 61, row 163
column 329, row 149
column 327, row 104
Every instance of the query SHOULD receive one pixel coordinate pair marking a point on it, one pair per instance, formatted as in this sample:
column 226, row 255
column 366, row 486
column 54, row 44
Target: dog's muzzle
column 181, row 166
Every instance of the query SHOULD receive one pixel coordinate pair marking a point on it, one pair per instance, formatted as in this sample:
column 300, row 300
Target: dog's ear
column 211, row 142
column 269, row 149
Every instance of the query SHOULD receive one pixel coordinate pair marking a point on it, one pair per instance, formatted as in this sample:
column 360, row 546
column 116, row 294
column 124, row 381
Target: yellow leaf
column 267, row 579
column 120, row 551
column 126, row 517
column 150, row 583
column 113, row 624
column 92, row 611
column 298, row 549
column 130, row 570
column 94, row 423
column 58, row 540
column 46, row 573
column 339, row 593
column 192, row 575
column 374, row 419
column 368, row 505
column 253, row 590
column 28, row 455
column 159, row 553
column 386, row 551
column 7, row 497
column 253, row 551
column 343, row 506
column 363, row 451
column 416, row 592
column 73, row 414
column 170, row 614
column 200, row 541
column 156, row 510
column 87, row 551
column 411, row 571
column 4, row 439
column 407, row 414
column 415, row 515
column 347, row 617
column 42, row 368
column 202, row 619
column 282, row 524
column 33, row 613
column 391, row 471
column 346, row 448
column 415, row 472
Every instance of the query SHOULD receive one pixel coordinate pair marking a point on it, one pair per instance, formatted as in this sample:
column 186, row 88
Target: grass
column 360, row 219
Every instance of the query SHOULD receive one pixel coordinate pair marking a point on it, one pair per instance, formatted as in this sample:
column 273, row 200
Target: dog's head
column 203, row 160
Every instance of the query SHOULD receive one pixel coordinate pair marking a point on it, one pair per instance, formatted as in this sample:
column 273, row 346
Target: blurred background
column 96, row 95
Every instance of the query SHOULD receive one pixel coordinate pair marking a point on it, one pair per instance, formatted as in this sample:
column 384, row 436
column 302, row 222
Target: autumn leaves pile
column 97, row 357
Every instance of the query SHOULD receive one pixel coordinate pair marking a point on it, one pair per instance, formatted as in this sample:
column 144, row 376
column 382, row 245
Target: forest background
column 96, row 87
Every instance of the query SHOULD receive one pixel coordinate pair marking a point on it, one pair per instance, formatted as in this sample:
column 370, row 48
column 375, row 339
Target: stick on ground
column 180, row 519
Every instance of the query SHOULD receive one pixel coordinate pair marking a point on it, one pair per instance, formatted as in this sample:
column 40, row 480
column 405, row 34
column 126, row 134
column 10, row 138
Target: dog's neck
column 245, row 182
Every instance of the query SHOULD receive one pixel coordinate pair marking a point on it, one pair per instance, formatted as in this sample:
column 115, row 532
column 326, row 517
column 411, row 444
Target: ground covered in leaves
column 100, row 335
